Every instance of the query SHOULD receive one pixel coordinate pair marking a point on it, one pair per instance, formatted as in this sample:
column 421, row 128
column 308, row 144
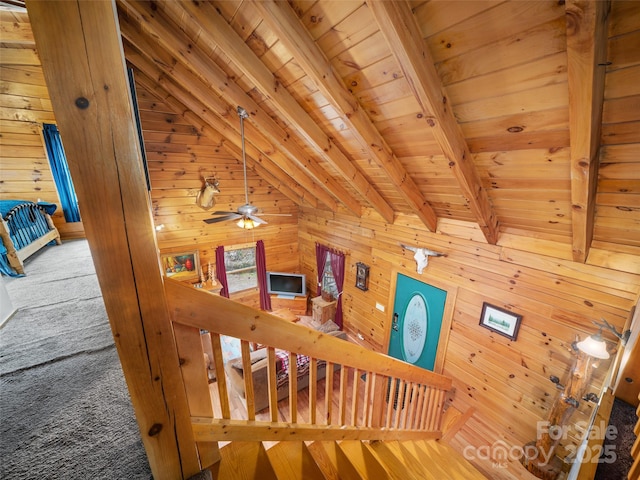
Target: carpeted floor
column 623, row 419
column 65, row 412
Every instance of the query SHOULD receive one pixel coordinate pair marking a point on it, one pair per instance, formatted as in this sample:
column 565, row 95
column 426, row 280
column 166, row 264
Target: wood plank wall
column 507, row 382
column 179, row 156
column 24, row 107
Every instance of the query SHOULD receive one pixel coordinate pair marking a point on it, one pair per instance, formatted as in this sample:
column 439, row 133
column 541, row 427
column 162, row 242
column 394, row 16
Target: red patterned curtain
column 321, row 258
column 221, row 271
column 261, row 271
column 337, row 266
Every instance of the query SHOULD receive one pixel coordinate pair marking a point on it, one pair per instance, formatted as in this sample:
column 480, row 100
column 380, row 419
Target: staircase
column 369, row 416
column 347, row 460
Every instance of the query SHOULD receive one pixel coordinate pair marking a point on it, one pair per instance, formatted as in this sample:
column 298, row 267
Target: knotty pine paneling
column 507, row 382
column 178, row 157
column 24, row 106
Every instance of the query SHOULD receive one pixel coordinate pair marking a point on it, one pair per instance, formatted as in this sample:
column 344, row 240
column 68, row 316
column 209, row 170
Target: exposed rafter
column 399, row 27
column 204, row 114
column 216, row 32
column 586, row 57
column 286, row 25
column 282, row 182
column 297, row 163
column 215, row 113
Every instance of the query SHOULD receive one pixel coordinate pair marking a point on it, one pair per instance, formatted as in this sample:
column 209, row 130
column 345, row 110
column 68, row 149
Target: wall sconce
column 595, row 346
column 539, row 458
column 159, row 227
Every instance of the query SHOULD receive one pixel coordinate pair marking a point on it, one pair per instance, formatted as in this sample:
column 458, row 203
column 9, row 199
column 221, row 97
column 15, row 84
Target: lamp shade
column 594, row 346
column 247, row 223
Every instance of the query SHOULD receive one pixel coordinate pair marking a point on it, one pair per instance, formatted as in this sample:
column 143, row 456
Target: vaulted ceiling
column 522, row 117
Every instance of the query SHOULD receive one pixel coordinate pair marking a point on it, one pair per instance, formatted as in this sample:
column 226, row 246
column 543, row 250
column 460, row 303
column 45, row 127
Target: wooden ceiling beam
column 399, row 27
column 296, row 162
column 278, row 180
column 216, row 32
column 291, row 32
column 185, row 104
column 586, row 64
column 192, row 93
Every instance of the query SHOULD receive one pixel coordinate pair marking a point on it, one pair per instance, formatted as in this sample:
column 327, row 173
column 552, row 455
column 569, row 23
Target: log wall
column 507, row 382
column 24, row 107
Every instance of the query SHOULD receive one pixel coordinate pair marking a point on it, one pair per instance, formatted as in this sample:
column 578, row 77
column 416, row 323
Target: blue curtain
column 61, row 175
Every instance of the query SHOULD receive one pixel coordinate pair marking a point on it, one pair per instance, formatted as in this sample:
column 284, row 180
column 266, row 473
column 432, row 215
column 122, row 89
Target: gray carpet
column 65, row 412
column 623, row 419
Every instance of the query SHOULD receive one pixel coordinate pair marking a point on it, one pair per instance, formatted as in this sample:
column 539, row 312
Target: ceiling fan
column 245, row 213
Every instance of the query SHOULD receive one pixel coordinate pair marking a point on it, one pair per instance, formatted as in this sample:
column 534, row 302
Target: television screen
column 286, row 284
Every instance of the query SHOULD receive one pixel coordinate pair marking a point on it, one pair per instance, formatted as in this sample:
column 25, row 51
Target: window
column 328, row 281
column 240, row 263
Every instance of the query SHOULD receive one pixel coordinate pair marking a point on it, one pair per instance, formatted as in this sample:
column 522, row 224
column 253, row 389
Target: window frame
column 242, row 246
column 328, row 273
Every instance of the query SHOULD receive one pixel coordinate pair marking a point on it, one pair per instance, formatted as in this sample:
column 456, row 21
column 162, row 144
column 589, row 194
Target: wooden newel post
column 539, row 456
column 80, row 46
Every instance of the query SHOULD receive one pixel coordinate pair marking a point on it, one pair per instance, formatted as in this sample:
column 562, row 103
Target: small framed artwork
column 181, row 266
column 362, row 276
column 499, row 320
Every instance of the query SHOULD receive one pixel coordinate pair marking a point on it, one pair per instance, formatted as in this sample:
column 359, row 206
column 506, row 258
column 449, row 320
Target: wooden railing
column 366, row 395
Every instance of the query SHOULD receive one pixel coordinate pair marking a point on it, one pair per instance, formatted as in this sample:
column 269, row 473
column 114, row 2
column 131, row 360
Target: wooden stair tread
column 330, row 456
column 363, row 460
column 345, row 460
column 402, row 464
column 432, row 453
column 291, row 460
column 243, row 461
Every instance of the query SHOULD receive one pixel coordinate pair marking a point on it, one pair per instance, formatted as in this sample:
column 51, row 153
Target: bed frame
column 24, row 230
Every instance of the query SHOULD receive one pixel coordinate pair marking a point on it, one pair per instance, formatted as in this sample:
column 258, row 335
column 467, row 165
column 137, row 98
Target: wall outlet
column 380, row 307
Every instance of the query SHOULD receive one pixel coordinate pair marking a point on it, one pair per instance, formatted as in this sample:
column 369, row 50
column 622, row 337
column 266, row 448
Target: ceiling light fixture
column 247, row 223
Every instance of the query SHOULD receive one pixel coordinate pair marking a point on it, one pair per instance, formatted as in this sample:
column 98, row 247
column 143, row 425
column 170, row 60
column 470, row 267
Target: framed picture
column 181, row 266
column 499, row 320
column 362, row 276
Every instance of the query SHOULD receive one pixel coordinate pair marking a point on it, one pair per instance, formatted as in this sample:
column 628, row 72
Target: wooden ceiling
column 522, row 117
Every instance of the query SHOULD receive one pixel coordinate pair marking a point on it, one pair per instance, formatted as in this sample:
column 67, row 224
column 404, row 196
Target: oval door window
column 414, row 328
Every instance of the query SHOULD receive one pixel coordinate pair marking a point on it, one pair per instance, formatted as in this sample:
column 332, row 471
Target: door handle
column 394, row 323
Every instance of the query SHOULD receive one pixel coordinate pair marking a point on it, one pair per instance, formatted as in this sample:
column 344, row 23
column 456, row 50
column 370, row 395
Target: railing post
column 196, row 382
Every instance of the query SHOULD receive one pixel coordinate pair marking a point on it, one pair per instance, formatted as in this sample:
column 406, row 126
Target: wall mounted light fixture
column 595, row 346
column 539, row 457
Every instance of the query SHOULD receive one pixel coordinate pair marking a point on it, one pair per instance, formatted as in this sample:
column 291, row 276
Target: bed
column 25, row 228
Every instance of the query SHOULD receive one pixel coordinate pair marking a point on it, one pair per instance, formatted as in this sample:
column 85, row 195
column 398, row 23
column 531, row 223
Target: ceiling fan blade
column 223, row 213
column 256, row 219
column 231, row 216
column 275, row 214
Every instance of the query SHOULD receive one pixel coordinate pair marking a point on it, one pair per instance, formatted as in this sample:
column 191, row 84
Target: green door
column 417, row 320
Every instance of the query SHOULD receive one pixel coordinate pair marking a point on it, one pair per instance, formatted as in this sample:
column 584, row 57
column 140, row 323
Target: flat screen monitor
column 287, row 284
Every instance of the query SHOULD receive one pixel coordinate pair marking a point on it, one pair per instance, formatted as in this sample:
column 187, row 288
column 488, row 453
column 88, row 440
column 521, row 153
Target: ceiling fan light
column 247, row 223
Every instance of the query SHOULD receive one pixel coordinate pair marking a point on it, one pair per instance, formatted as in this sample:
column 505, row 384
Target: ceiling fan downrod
column 242, row 113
